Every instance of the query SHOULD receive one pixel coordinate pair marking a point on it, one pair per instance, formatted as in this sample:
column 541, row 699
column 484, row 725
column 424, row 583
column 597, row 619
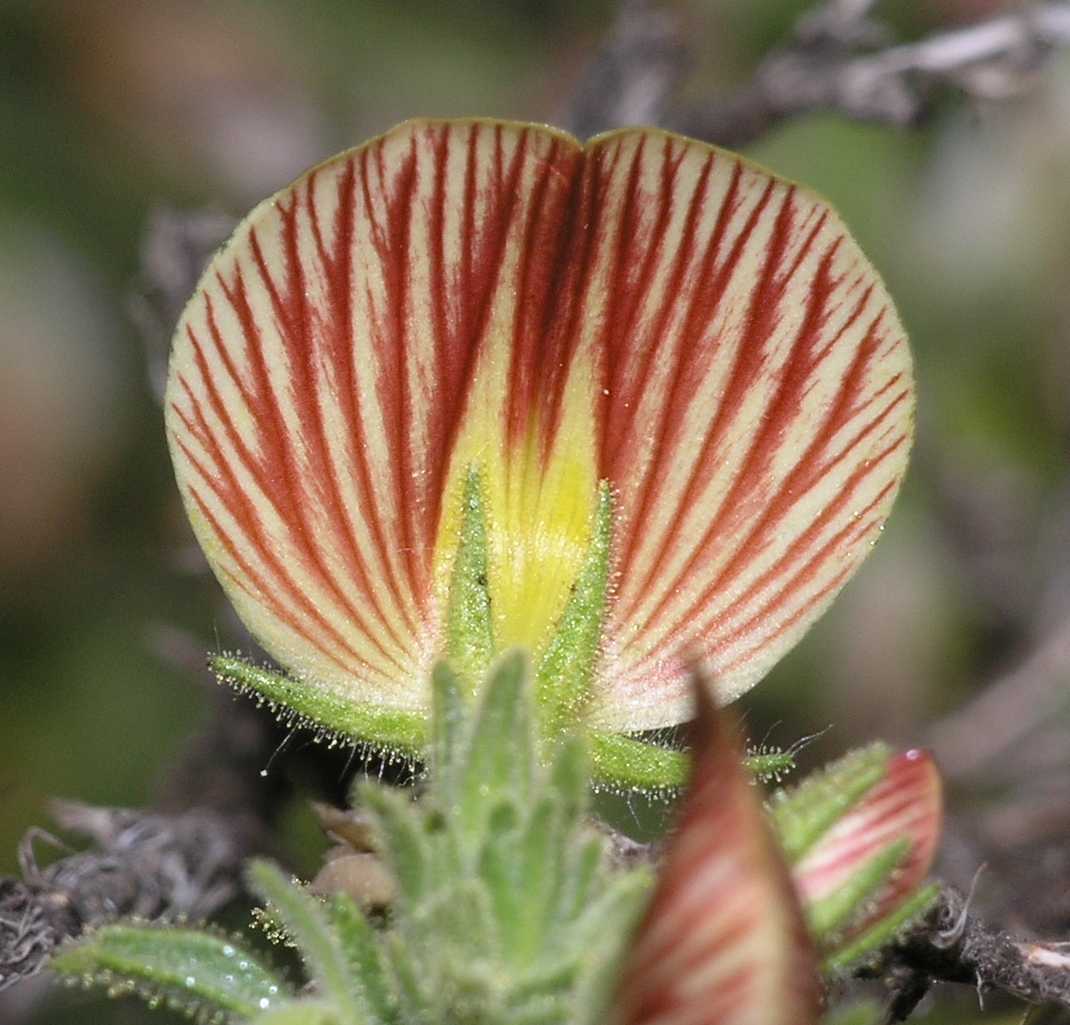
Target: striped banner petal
column 906, row 805
column 647, row 311
column 723, row 940
column 366, row 332
column 756, row 414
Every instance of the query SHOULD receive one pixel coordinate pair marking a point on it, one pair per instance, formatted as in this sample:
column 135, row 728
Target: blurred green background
column 112, row 110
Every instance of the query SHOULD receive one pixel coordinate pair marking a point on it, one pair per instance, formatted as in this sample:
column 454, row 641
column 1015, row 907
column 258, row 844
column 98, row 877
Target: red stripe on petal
column 765, row 441
column 782, row 423
column 264, row 591
column 332, row 350
column 686, row 371
column 747, row 366
column 802, row 548
column 291, row 489
column 226, row 487
column 334, row 325
column 636, row 253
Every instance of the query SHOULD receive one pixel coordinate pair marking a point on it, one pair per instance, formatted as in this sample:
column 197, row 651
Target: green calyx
column 563, row 678
column 566, row 668
column 469, row 623
column 867, row 946
column 333, row 719
column 616, row 761
column 805, row 813
column 633, row 764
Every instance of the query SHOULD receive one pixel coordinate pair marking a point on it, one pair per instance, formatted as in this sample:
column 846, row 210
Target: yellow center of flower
column 540, row 511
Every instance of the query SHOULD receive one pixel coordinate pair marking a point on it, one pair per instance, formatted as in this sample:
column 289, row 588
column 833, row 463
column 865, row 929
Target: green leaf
column 449, row 715
column 498, row 871
column 460, row 919
column 307, row 923
column 360, row 943
column 583, row 864
column 610, row 916
column 539, row 861
column 883, row 933
column 827, row 915
column 413, row 1000
column 498, row 763
column 559, row 978
column 570, row 780
column 333, row 718
column 549, row 1009
column 301, row 1012
column 198, row 969
column 401, row 839
column 596, row 989
column 469, row 625
column 803, row 814
column 603, row 933
column 566, row 670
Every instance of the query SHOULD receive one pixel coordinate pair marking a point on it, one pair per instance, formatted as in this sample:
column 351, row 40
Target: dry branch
column 952, row 945
column 838, row 59
column 143, row 864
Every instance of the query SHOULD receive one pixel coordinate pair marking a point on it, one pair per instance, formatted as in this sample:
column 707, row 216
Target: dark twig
column 824, row 70
column 636, row 70
column 182, row 858
column 185, row 856
column 951, row 945
column 174, row 250
column 144, row 864
column 839, row 58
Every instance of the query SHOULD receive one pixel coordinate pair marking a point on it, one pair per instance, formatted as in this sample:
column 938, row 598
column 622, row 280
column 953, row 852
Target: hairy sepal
column 867, row 946
column 331, row 718
column 308, row 924
column 805, row 813
column 626, row 763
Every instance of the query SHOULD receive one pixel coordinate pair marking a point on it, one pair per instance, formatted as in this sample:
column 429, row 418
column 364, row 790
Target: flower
column 473, row 385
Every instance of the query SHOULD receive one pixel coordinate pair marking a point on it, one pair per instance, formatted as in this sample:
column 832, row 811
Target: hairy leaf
column 199, row 969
